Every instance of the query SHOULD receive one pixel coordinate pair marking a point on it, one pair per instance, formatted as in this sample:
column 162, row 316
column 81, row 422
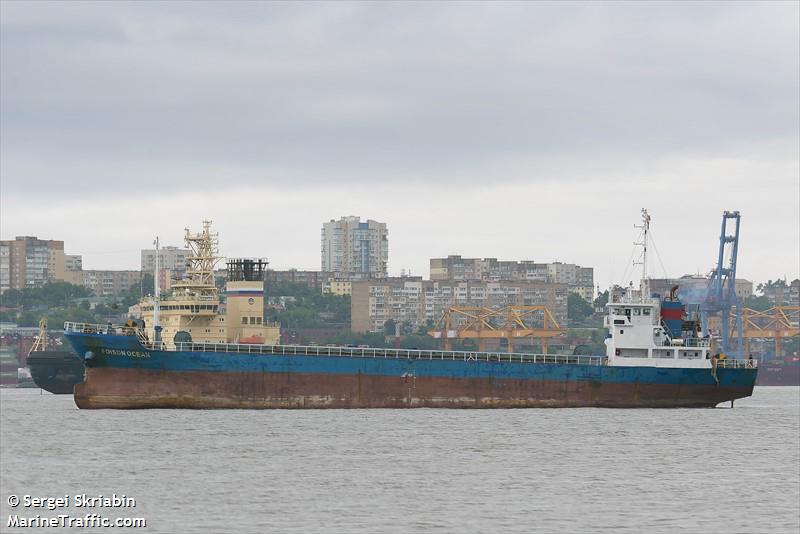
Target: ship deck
column 359, row 352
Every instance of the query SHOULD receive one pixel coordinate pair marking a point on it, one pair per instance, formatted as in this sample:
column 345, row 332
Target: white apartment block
column 354, row 250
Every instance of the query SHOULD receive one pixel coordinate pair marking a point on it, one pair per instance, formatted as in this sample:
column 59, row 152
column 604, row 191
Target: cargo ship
column 654, row 358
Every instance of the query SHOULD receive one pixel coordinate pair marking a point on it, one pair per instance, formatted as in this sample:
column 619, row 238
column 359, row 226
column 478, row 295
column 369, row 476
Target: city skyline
column 483, row 132
column 654, row 272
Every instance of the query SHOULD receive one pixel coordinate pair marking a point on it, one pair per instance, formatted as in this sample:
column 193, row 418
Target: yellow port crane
column 775, row 323
column 511, row 323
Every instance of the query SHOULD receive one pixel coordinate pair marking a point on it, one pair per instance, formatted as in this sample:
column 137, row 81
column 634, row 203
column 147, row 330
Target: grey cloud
column 357, row 92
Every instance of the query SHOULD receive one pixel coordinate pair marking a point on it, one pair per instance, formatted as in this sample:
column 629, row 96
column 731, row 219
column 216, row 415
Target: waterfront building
column 354, row 250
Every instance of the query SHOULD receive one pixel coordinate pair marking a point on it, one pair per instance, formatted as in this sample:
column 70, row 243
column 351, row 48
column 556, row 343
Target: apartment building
column 784, row 294
column 28, row 261
column 312, row 279
column 172, row 259
column 354, row 250
column 418, row 301
column 73, row 269
column 455, row 268
column 337, row 287
column 105, row 283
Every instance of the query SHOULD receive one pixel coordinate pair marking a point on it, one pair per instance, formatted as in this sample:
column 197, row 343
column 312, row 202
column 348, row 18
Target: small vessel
column 654, row 358
column 56, row 371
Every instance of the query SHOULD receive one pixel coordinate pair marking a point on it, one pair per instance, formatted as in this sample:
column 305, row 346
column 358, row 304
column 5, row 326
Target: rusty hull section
column 139, row 388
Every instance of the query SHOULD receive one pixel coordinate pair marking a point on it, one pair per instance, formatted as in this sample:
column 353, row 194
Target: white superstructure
column 639, row 334
column 637, row 337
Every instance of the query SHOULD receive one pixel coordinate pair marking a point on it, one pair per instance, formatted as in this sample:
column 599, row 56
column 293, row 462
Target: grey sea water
column 411, row 471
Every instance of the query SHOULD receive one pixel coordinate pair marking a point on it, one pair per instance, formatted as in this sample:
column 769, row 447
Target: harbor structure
column 353, row 249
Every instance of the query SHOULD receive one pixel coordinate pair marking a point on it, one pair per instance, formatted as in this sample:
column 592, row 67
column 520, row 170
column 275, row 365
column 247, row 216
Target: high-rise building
column 354, row 250
column 30, row 262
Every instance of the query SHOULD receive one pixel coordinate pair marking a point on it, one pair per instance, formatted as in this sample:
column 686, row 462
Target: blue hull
column 124, row 374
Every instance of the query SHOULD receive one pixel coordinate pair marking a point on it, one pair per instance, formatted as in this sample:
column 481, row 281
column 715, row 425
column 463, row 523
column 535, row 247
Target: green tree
column 577, row 308
column 758, row 303
column 390, row 327
column 601, row 300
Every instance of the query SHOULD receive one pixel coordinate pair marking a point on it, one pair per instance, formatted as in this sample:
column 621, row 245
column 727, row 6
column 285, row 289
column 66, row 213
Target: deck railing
column 353, row 352
column 730, row 363
column 366, row 352
column 691, row 342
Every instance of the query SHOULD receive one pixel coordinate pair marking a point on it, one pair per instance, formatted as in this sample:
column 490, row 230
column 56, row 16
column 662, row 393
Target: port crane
column 720, row 294
column 777, row 323
column 512, row 323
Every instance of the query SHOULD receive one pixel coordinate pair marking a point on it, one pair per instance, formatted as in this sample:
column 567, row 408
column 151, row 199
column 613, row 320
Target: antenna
column 156, row 295
column 645, row 227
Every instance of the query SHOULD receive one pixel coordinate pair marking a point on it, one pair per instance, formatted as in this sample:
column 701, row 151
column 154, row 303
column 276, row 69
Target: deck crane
column 721, row 290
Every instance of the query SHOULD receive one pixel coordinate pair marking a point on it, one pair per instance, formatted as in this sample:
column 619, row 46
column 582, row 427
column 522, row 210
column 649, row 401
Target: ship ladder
column 142, row 337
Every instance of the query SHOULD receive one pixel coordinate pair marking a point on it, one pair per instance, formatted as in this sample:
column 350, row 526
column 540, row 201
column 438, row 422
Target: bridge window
column 646, row 311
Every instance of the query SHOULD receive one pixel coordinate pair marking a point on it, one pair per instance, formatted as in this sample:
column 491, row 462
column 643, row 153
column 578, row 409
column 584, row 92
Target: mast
column 156, row 295
column 199, row 279
column 645, row 227
column 41, row 342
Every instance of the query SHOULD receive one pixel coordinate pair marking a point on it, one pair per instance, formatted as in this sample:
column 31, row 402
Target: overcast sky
column 510, row 130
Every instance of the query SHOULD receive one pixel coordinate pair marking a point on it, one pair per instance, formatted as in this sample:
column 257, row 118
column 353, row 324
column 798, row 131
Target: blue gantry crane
column 721, row 291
